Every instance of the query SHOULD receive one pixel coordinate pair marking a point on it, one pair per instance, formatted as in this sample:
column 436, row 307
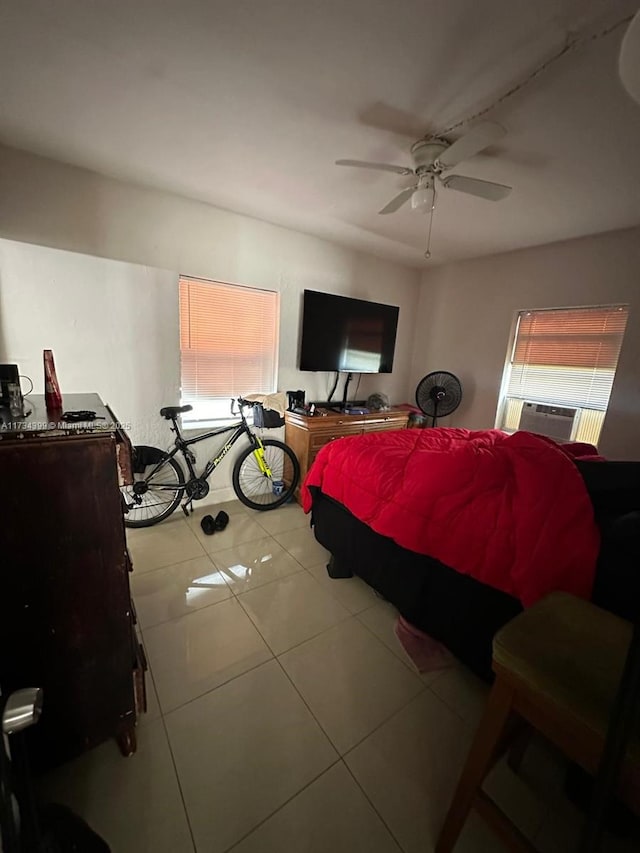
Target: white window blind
column 567, row 356
column 228, row 344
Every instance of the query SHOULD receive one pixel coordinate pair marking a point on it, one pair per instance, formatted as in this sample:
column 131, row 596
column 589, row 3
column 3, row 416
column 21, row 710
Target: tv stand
column 307, row 435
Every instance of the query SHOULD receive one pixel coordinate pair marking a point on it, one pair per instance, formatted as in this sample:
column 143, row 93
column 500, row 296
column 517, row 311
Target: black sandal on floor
column 208, row 525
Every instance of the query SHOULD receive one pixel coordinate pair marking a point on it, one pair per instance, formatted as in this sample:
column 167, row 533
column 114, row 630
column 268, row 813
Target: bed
column 457, row 609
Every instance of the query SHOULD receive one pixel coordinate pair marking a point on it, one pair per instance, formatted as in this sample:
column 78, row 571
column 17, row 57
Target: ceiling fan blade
column 390, row 119
column 397, row 202
column 473, row 186
column 480, row 136
column 381, row 167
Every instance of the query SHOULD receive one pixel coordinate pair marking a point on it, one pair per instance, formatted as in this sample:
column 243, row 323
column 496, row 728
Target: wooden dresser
column 67, row 622
column 306, row 435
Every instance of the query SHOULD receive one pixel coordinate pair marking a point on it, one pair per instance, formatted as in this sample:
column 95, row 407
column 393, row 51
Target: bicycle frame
column 182, row 444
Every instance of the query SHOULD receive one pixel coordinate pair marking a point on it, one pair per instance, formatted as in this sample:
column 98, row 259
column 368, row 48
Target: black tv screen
column 340, row 333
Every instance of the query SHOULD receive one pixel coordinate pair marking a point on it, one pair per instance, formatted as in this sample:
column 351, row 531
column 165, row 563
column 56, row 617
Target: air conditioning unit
column 554, row 421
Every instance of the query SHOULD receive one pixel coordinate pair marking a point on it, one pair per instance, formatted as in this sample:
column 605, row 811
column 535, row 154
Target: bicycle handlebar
column 241, row 403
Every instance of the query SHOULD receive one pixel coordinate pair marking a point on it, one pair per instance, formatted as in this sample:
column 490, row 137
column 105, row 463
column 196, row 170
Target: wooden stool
column 558, row 666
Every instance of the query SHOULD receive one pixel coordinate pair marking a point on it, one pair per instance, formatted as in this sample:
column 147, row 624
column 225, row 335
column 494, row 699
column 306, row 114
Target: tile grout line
column 213, row 689
column 289, row 679
column 414, row 670
column 397, row 711
column 185, row 521
column 387, row 649
column 310, row 569
column 162, row 712
column 302, row 642
column 340, row 757
column 168, row 565
column 190, row 613
column 262, row 663
column 468, row 723
column 268, row 583
column 263, row 535
column 360, row 742
column 236, row 597
column 140, row 573
column 267, row 535
column 372, row 804
column 280, row 807
column 274, row 658
column 287, row 676
column 173, row 762
column 211, row 557
column 385, row 721
column 228, row 585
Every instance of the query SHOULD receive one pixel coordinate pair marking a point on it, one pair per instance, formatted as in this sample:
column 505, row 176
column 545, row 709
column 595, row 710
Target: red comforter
column 511, row 511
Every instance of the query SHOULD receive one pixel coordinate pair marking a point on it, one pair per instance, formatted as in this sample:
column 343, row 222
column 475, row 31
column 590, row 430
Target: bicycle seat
column 170, row 412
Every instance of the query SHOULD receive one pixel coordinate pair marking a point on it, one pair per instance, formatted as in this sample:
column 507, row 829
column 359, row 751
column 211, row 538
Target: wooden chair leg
column 480, row 760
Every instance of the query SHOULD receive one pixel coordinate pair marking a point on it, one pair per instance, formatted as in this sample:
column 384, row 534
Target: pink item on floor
column 426, row 653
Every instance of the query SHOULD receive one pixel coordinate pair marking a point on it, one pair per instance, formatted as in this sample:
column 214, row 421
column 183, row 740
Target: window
column 564, row 357
column 228, row 344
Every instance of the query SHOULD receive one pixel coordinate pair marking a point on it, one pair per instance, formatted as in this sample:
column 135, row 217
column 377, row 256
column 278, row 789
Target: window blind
column 228, row 340
column 567, row 356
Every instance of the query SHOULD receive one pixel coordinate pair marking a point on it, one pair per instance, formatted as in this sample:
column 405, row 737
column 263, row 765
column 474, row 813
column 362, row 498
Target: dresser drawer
column 386, row 422
column 319, row 438
column 382, row 427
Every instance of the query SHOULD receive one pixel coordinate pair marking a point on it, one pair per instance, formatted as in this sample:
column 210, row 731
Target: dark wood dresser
column 67, row 622
column 306, row 435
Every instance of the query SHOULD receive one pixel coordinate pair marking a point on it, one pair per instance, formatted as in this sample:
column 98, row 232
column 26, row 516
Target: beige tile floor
column 284, row 716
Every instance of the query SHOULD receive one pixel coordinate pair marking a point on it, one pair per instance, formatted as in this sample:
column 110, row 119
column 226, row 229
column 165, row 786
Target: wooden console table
column 306, row 435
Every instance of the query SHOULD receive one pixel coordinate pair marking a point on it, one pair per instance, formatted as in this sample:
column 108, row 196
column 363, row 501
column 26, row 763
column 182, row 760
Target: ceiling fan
column 432, row 157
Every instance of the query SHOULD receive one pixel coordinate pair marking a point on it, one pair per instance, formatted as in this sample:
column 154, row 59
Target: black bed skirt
column 455, row 609
column 458, row 610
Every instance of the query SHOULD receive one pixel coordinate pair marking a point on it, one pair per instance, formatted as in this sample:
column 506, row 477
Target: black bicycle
column 265, row 474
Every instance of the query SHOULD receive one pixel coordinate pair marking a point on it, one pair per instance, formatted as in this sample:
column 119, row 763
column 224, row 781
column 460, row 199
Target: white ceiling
column 246, row 105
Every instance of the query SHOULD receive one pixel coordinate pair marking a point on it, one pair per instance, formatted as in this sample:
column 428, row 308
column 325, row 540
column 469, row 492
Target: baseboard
column 217, row 496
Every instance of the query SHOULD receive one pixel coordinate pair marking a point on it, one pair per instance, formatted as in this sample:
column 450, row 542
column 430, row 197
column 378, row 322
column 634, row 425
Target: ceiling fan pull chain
column 427, row 253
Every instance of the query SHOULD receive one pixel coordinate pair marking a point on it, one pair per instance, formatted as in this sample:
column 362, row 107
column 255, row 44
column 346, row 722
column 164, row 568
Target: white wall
column 111, row 327
column 467, row 309
column 49, row 204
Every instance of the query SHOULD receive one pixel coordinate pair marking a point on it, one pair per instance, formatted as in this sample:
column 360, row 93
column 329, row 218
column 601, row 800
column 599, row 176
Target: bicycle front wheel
column 157, row 488
column 258, row 490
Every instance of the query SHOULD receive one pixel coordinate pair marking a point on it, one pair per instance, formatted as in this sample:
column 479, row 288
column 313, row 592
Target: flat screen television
column 340, row 333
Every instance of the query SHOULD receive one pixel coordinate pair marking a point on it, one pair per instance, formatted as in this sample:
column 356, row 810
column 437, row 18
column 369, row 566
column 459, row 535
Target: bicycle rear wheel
column 157, row 489
column 257, row 490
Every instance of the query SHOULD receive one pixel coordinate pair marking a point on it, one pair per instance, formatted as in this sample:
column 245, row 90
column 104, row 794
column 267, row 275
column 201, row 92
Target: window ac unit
column 554, row 421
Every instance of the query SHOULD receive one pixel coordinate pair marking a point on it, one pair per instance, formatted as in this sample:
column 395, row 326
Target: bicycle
column 265, row 475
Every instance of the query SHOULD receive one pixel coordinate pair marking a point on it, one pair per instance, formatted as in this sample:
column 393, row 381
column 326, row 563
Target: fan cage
column 439, row 394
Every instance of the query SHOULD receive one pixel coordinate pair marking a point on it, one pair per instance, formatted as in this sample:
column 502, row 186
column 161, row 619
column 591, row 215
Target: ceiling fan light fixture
column 423, row 198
